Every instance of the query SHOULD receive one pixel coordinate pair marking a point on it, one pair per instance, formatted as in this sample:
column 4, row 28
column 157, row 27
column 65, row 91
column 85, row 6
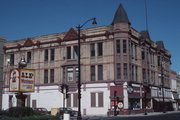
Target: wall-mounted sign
column 22, row 80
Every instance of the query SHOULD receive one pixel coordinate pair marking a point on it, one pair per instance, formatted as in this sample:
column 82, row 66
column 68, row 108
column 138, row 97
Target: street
column 166, row 116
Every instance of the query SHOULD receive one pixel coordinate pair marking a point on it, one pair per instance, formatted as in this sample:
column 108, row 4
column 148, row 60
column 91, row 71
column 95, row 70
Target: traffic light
column 62, row 88
column 67, row 90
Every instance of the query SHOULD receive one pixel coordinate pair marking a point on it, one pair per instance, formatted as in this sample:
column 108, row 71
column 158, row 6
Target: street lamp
column 79, row 61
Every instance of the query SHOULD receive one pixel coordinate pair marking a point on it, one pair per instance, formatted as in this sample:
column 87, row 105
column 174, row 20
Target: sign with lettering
column 22, row 80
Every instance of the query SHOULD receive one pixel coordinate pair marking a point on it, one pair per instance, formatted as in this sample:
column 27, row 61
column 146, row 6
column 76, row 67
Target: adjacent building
column 120, row 67
column 1, row 69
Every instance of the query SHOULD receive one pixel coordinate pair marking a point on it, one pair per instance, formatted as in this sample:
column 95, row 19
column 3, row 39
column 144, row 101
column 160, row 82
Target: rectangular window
column 45, row 76
column 159, row 61
column 92, row 49
column 125, row 71
column 69, row 52
column 93, row 73
column 51, row 75
column 100, row 100
column 100, row 49
column 132, row 72
column 100, row 72
column 28, row 57
column 135, row 52
column 69, row 101
column 52, row 54
column 75, row 52
column 144, row 75
column 136, row 73
column 118, row 70
column 124, row 46
column 75, row 100
column 46, row 55
column 93, row 99
column 11, row 59
column 118, row 47
column 143, row 54
column 70, row 74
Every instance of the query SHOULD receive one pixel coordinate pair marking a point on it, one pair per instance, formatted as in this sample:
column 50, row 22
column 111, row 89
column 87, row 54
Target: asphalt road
column 166, row 116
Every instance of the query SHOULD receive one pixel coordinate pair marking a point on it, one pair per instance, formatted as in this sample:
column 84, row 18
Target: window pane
column 52, row 76
column 100, row 72
column 124, row 46
column 28, row 57
column 68, row 52
column 118, row 48
column 100, row 100
column 70, row 74
column 100, row 49
column 93, row 99
column 45, row 76
column 92, row 50
column 93, row 75
column 75, row 52
column 118, row 70
column 52, row 54
column 11, row 59
column 46, row 55
column 125, row 71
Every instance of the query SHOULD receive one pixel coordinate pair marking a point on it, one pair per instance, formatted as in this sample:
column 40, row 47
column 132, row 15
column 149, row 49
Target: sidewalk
column 148, row 114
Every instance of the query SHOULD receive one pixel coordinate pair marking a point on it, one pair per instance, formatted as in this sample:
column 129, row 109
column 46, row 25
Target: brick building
column 119, row 66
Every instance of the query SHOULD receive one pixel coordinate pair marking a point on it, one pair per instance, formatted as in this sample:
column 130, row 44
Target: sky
column 21, row 19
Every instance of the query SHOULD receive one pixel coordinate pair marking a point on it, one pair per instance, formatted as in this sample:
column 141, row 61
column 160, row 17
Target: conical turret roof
column 120, row 16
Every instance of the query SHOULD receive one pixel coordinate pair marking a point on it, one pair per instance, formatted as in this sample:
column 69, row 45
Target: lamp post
column 22, row 63
column 79, row 66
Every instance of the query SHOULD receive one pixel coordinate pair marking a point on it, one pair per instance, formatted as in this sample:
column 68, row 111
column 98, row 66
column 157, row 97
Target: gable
column 28, row 43
column 71, row 34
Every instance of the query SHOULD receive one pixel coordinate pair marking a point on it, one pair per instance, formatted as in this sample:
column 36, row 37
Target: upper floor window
column 51, row 75
column 125, row 67
column 100, row 49
column 46, row 54
column 118, row 47
column 92, row 49
column 70, row 74
column 144, row 75
column 143, row 54
column 69, row 52
column 124, row 46
column 46, row 76
column 52, row 54
column 100, row 72
column 28, row 57
column 75, row 52
column 118, row 70
column 93, row 73
column 11, row 59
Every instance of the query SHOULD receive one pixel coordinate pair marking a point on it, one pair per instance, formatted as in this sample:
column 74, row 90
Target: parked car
column 41, row 110
column 68, row 110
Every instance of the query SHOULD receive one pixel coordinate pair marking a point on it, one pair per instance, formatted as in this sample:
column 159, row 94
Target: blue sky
column 29, row 18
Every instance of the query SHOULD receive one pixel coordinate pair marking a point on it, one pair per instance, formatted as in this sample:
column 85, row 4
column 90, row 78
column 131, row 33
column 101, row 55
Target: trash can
column 66, row 115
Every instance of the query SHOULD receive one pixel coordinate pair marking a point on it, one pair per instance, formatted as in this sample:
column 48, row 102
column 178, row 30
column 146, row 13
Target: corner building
column 119, row 66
